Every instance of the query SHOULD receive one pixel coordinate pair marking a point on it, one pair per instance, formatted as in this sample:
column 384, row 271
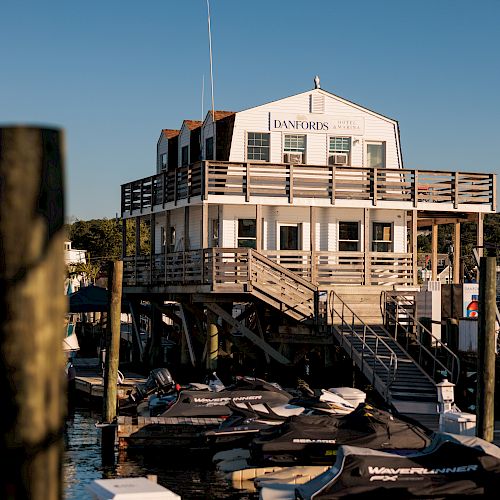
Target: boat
column 314, row 439
column 70, row 346
column 452, row 466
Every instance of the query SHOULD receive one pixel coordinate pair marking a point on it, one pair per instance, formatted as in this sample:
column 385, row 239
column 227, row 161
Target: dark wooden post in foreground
column 32, row 308
column 115, row 276
column 486, row 348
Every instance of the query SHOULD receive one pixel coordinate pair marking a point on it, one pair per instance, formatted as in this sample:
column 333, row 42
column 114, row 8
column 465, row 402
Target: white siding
column 195, row 222
column 230, row 216
column 160, row 222
column 256, row 119
column 398, row 219
column 274, row 216
column 177, row 222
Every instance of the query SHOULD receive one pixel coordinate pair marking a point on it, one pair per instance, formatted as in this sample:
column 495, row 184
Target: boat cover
column 450, row 466
column 244, row 390
column 314, row 439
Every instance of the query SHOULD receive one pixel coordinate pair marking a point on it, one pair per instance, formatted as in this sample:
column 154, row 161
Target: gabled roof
column 192, row 124
column 329, row 94
column 222, row 114
column 169, row 133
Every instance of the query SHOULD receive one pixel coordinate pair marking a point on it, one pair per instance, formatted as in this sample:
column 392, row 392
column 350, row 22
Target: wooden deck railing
column 233, row 267
column 250, row 180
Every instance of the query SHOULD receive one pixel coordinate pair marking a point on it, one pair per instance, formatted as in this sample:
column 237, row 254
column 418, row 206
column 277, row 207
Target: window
column 258, row 146
column 340, row 146
column 215, row 232
column 382, row 237
column 294, row 144
column 348, row 236
column 375, row 154
column 209, row 148
column 171, row 240
column 163, row 161
column 247, row 233
column 289, row 237
column 185, row 156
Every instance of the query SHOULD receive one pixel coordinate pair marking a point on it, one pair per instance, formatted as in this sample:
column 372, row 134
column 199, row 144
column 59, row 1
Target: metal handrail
column 392, row 367
column 453, row 371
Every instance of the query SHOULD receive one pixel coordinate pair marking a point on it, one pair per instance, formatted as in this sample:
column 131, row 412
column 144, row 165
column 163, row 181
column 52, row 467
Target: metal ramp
column 404, row 381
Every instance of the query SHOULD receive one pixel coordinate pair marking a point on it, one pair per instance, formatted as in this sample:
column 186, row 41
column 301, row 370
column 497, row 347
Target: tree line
column 102, row 240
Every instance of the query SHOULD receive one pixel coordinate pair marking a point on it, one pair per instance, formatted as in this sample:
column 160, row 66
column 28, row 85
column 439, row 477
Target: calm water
column 82, row 464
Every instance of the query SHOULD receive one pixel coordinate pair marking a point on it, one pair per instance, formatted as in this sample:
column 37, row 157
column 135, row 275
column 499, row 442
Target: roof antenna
column 211, row 73
column 316, row 80
column 202, row 95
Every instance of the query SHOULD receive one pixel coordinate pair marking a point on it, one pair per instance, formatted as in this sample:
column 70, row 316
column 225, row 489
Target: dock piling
column 32, row 308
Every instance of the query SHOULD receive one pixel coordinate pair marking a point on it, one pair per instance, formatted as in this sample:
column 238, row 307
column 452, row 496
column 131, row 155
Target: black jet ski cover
column 206, row 403
column 314, row 439
column 452, row 466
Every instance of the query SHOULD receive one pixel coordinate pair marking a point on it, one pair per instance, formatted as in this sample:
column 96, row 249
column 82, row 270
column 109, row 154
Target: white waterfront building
column 279, row 205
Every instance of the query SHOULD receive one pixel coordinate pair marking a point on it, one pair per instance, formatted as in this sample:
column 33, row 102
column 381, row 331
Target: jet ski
column 247, row 420
column 207, row 403
column 451, row 466
column 314, row 439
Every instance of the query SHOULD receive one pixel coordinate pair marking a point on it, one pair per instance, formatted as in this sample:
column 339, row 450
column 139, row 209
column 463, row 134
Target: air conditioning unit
column 293, row 158
column 339, row 159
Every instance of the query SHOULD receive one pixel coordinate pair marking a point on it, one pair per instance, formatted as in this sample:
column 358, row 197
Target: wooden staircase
column 282, row 289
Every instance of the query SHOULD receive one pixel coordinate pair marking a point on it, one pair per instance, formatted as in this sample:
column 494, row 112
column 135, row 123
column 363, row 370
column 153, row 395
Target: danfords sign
column 316, row 123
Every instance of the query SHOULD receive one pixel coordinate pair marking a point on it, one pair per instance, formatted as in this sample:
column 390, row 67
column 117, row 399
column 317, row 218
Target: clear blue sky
column 112, row 74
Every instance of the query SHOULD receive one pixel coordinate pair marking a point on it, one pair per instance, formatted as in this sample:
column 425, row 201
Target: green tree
column 102, row 238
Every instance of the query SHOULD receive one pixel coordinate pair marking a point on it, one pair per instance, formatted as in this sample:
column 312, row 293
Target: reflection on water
column 82, row 464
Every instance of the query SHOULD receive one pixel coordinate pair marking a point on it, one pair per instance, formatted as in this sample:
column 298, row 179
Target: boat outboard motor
column 160, row 381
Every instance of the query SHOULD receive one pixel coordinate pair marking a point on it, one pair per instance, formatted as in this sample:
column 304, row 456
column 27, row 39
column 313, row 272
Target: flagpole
column 211, row 75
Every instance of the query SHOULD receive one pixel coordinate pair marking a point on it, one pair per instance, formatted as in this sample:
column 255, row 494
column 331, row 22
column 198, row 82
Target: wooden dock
column 186, row 433
column 89, row 379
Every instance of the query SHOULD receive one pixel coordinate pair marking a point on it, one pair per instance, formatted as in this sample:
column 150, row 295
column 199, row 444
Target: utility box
column 429, row 306
column 459, row 423
column 129, row 488
column 467, row 335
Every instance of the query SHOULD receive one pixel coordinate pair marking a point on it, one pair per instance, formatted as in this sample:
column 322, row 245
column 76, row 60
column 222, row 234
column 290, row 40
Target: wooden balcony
column 228, row 182
column 235, row 269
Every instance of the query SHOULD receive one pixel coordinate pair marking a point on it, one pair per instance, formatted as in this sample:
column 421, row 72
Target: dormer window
column 185, row 156
column 209, row 148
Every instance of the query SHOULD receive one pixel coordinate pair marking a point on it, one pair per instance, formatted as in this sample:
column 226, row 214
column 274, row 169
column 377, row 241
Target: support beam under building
column 434, row 250
column 248, row 333
column 457, row 277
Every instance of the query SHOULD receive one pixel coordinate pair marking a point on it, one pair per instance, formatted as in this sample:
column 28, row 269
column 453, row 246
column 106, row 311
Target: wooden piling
column 115, row 278
column 486, row 348
column 32, row 308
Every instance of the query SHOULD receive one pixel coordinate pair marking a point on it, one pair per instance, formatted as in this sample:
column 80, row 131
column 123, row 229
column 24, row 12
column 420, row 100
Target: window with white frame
column 339, row 151
column 258, row 146
column 348, row 236
column 163, row 161
column 375, row 154
column 382, row 237
column 294, row 148
column 247, row 233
